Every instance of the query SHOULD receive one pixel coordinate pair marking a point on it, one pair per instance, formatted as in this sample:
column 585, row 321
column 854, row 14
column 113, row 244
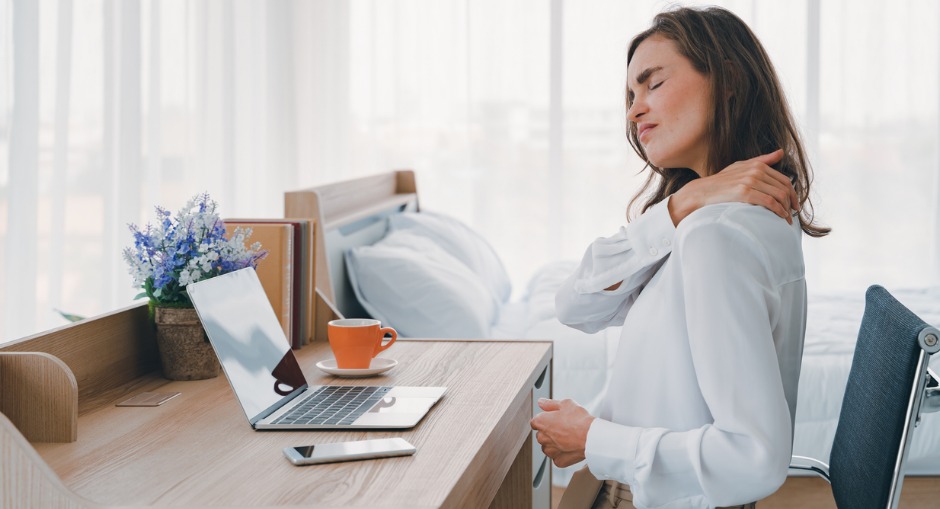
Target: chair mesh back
column 872, row 420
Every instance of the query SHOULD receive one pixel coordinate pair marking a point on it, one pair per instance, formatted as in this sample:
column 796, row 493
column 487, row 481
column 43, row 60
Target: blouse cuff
column 654, row 230
column 648, row 240
column 610, row 451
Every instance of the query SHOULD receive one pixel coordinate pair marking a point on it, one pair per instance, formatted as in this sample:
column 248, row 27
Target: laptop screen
column 248, row 339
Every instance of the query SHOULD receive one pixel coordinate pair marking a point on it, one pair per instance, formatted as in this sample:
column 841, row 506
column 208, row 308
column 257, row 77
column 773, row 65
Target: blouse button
column 653, row 251
column 666, row 242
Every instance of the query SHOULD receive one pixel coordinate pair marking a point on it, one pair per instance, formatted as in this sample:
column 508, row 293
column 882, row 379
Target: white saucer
column 378, row 365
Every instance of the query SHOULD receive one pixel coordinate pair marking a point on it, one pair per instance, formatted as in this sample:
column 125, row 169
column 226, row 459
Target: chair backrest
column 882, row 396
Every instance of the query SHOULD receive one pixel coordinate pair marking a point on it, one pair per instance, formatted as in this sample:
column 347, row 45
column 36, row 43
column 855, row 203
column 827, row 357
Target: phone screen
column 305, row 451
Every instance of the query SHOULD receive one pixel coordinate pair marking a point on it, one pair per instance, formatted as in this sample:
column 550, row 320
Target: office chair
column 889, row 386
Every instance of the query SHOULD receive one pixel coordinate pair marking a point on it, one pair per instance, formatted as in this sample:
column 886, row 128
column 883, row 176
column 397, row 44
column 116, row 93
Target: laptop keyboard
column 340, row 405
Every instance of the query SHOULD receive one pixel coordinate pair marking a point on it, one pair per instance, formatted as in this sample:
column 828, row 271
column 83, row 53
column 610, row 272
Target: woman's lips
column 643, row 130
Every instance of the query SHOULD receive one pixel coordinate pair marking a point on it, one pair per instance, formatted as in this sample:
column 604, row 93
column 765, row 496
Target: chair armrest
column 811, row 465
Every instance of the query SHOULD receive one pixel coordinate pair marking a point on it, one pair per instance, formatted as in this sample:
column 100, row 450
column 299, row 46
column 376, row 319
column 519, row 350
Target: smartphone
column 348, row 451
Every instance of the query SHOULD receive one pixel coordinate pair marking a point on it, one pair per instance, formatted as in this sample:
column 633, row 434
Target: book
column 276, row 270
column 302, row 303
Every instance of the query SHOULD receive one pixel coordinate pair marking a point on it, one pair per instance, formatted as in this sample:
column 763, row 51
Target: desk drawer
column 537, row 455
column 542, row 486
column 541, row 389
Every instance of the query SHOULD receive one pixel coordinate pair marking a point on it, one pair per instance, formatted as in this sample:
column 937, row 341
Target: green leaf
column 141, row 295
column 69, row 316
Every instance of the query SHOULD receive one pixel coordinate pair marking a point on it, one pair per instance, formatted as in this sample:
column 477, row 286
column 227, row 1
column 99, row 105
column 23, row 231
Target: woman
column 708, row 282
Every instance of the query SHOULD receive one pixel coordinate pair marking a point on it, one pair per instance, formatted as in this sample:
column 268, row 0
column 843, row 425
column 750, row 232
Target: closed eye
column 657, row 85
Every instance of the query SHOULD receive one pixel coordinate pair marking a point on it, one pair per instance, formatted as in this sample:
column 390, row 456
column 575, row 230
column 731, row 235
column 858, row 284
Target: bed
column 427, row 275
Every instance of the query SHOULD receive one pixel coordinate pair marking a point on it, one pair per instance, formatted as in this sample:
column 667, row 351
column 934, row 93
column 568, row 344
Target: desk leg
column 528, row 484
column 516, row 490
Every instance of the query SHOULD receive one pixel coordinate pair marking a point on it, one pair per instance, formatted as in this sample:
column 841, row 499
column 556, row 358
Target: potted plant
column 172, row 253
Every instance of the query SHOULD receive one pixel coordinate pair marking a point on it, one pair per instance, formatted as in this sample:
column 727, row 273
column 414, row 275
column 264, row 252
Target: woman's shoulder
column 734, row 229
column 756, row 220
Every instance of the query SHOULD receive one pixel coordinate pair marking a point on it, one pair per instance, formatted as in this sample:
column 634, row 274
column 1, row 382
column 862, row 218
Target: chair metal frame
column 924, row 398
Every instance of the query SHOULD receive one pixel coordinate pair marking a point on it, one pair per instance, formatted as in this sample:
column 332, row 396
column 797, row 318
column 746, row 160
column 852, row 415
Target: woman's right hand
column 752, row 181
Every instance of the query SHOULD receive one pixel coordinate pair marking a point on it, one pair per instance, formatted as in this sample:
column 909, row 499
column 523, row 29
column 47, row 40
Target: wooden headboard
column 345, row 215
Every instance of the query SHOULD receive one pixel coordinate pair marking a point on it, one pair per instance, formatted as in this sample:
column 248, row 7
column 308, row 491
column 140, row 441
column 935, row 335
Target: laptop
column 268, row 382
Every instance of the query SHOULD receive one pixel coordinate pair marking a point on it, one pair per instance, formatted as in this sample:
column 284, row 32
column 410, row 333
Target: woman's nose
column 636, row 110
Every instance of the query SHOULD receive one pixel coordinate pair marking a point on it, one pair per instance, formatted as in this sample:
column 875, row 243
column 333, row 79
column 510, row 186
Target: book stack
column 286, row 272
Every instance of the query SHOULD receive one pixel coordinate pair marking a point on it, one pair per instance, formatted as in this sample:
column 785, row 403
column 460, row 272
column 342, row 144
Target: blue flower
column 185, row 248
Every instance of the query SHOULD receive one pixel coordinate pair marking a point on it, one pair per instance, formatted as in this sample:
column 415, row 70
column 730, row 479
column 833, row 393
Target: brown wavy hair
column 755, row 118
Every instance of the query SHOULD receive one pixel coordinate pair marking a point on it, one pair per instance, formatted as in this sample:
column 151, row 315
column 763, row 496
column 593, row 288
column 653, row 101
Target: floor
column 813, row 493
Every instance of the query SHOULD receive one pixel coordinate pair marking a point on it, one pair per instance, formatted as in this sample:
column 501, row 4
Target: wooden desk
column 474, row 448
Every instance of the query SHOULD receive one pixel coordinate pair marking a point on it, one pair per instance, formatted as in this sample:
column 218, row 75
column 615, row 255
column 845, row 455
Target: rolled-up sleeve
column 631, row 257
column 731, row 303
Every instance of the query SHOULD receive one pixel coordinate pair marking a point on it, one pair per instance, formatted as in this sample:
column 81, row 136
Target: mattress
column 582, row 362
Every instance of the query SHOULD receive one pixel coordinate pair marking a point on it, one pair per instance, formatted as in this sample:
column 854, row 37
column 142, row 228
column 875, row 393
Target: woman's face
column 671, row 105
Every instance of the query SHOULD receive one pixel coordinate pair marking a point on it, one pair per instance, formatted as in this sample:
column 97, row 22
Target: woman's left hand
column 562, row 430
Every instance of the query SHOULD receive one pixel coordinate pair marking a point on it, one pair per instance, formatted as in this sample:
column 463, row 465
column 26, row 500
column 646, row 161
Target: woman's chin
column 658, row 159
column 660, row 162
column 666, row 163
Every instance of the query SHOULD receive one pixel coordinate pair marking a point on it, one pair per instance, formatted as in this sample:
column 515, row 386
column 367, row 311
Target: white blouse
column 700, row 407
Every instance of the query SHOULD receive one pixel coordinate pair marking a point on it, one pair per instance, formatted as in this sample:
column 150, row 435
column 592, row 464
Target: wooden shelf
column 39, row 395
column 49, row 379
column 106, row 354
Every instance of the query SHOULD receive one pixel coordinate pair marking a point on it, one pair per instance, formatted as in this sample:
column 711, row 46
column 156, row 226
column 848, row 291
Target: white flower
column 185, row 248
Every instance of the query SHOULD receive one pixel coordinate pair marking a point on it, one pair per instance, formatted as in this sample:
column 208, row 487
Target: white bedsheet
column 582, row 362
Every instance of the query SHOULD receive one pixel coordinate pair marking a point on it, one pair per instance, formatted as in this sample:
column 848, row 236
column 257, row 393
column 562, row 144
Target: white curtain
column 511, row 112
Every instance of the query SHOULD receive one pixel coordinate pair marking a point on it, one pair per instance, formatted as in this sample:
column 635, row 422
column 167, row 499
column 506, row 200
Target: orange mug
column 356, row 341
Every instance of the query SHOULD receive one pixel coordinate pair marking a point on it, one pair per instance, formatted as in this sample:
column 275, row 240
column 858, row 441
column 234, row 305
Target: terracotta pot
column 185, row 351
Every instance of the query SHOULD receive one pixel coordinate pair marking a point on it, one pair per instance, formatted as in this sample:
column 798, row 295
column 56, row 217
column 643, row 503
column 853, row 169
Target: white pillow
column 410, row 283
column 542, row 288
column 463, row 244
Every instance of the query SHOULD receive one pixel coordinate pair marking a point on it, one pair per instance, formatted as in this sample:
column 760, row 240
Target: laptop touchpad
column 395, row 405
